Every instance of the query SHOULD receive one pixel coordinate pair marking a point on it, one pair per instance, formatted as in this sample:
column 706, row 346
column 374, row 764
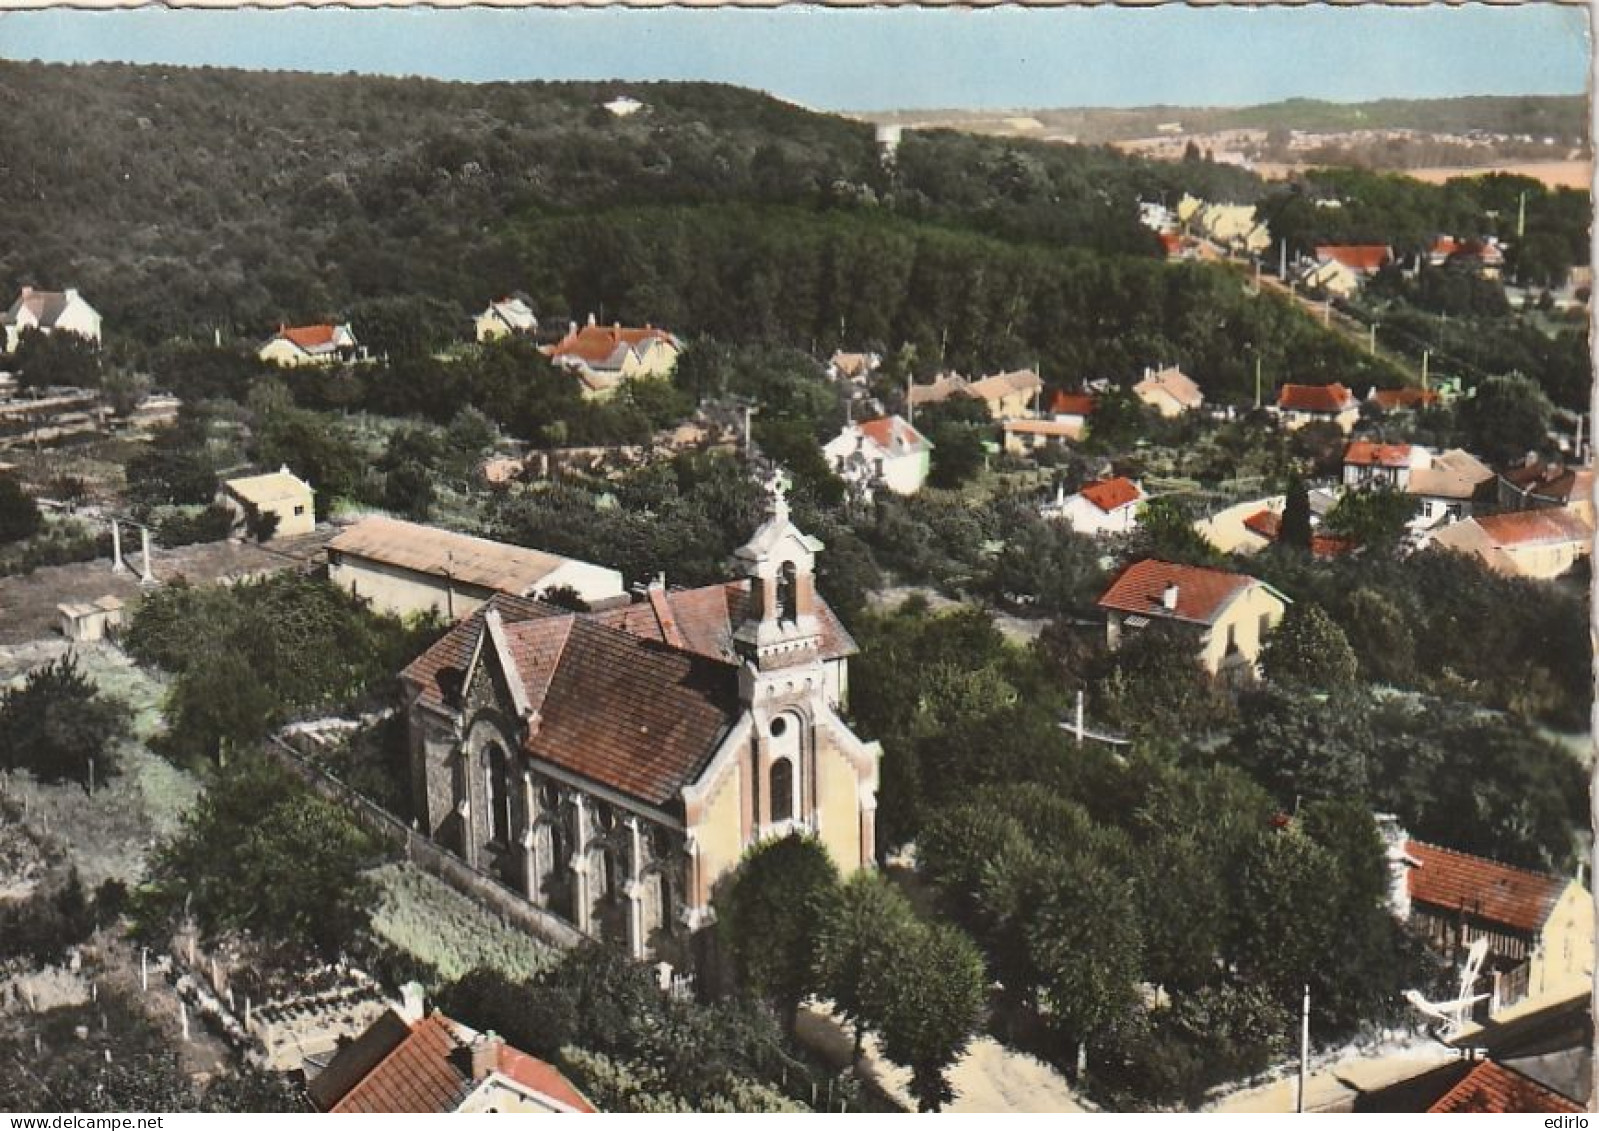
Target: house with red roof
column 1104, row 507
column 1538, row 484
column 603, row 357
column 320, row 344
column 1491, row 1088
column 404, row 1064
column 1539, row 927
column 885, row 451
column 1229, row 614
column 1361, row 258
column 1540, row 544
column 1451, row 486
column 1267, row 523
column 1299, row 405
column 611, row 767
column 1368, row 463
column 1402, row 400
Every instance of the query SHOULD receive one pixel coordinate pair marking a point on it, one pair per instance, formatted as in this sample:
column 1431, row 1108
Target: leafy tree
column 260, row 852
column 1375, row 518
column 1087, row 944
column 771, row 912
column 175, row 469
column 408, row 490
column 60, row 727
column 857, row 948
column 1301, row 745
column 1166, row 531
column 957, row 428
column 1504, row 418
column 1153, row 684
column 58, row 358
column 1308, row 649
column 935, row 1001
column 1048, row 566
column 19, row 514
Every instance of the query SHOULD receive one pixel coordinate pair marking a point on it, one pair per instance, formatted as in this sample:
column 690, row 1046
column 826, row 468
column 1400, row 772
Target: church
column 612, row 766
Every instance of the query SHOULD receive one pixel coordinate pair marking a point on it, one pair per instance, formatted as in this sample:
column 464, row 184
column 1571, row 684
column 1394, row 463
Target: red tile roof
column 419, row 1075
column 1367, row 258
column 1391, row 399
column 1109, row 494
column 1445, row 246
column 535, row 1074
column 885, row 429
column 1486, row 889
column 1492, row 1088
column 598, row 344
column 1172, row 242
column 1202, row 592
column 429, row 1070
column 437, row 673
column 1332, row 398
column 1553, row 481
column 1528, row 528
column 706, row 618
column 1269, row 524
column 1071, row 404
column 1364, row 453
column 309, row 337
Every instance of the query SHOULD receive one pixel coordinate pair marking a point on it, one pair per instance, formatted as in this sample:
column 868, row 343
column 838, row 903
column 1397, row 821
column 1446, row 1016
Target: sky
column 879, row 59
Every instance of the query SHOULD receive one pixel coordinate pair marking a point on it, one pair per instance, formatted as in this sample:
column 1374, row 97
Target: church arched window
column 498, row 788
column 781, row 780
column 788, row 593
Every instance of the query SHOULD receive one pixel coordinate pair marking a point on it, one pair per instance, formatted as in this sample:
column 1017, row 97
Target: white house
column 886, row 450
column 48, row 311
column 1299, row 405
column 1369, row 464
column 1109, row 506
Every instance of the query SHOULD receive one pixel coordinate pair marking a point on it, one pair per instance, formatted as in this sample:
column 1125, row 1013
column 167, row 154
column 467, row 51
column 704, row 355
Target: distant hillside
column 187, row 199
column 1564, row 118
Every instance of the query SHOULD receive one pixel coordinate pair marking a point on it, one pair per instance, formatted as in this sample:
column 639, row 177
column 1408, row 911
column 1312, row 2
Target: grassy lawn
column 433, row 923
column 108, row 835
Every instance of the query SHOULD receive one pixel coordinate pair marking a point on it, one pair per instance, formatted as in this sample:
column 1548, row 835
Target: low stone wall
column 432, row 858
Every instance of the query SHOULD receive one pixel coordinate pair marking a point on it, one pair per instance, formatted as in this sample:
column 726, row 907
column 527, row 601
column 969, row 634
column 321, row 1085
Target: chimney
column 411, row 1002
column 1168, row 598
column 591, row 318
column 486, row 1054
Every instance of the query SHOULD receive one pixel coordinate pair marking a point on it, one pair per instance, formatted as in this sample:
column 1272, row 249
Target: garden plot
column 108, row 835
column 433, row 923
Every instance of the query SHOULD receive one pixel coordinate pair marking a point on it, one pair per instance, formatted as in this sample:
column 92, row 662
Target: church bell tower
column 780, row 629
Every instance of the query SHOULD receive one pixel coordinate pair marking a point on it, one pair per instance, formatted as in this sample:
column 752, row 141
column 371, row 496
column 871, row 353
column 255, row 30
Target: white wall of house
column 1086, row 518
column 595, row 584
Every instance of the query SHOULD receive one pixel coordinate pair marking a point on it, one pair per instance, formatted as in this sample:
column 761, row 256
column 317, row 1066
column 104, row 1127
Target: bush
column 60, row 727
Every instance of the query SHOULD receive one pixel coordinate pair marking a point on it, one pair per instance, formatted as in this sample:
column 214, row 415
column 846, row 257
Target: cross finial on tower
column 777, row 486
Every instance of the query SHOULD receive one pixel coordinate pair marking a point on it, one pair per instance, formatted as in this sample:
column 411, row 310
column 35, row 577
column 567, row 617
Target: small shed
column 281, row 493
column 91, row 620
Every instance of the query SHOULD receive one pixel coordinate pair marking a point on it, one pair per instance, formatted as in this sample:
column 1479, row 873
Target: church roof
column 703, row 620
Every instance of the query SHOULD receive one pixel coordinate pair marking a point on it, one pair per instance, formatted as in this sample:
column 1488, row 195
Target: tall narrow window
column 788, row 592
column 782, row 787
column 498, row 788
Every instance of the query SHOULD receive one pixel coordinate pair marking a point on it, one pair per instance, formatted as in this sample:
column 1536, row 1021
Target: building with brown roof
column 1008, row 395
column 1299, row 405
column 1539, row 544
column 1538, row 927
column 507, row 317
column 1361, row 258
column 280, row 493
column 1539, row 484
column 47, row 312
column 1229, row 614
column 1371, row 464
column 1402, row 400
column 1169, row 391
column 405, row 568
column 433, row 1064
column 940, row 388
column 319, row 344
column 1452, row 486
column 612, row 767
column 884, row 451
column 603, row 357
column 1494, row 1089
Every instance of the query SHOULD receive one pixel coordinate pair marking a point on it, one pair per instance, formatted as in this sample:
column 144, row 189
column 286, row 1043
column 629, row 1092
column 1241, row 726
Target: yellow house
column 613, row 767
column 1008, row 395
column 321, row 344
column 1538, row 543
column 1538, row 927
column 603, row 357
column 504, row 318
column 1230, row 613
column 280, row 493
column 1169, row 391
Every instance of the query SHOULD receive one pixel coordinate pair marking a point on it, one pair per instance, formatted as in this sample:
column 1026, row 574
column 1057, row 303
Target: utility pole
column 1371, row 345
column 910, row 405
column 1257, row 380
column 1304, row 1051
column 1521, row 217
column 1425, row 354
